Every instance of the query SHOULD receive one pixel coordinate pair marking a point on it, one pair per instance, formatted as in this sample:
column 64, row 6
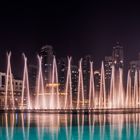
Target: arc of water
column 25, row 82
column 121, row 90
column 40, row 84
column 9, row 79
column 128, row 91
column 57, row 88
column 102, row 94
column 68, row 89
column 80, row 86
column 54, row 79
column 112, row 88
column 139, row 89
column 91, row 88
column 135, row 99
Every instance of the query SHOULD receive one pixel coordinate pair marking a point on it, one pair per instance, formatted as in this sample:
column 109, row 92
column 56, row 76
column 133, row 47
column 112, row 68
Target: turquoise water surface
column 39, row 126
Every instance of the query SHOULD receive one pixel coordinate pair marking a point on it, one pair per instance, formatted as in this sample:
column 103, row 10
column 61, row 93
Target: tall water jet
column 121, row 90
column 25, row 85
column 9, row 84
column 128, row 101
column 112, row 98
column 135, row 98
column 91, row 88
column 54, row 87
column 102, row 94
column 80, row 96
column 68, row 90
column 139, row 89
column 40, row 86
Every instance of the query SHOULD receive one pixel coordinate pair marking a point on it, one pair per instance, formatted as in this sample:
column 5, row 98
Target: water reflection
column 41, row 126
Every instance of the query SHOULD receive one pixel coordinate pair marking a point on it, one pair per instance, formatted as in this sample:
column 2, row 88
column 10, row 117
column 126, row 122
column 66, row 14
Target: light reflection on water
column 39, row 126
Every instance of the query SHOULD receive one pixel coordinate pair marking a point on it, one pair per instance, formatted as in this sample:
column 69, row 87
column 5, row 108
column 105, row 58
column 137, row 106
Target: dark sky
column 71, row 28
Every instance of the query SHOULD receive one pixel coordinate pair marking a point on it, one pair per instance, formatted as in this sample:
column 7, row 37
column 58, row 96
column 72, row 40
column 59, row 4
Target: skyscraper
column 117, row 56
column 32, row 78
column 74, row 77
column 118, row 63
column 86, row 73
column 62, row 73
column 97, row 80
column 108, row 70
column 47, row 60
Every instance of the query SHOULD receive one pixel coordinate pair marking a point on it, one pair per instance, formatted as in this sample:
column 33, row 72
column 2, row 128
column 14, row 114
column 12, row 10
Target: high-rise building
column 134, row 66
column 62, row 73
column 74, row 77
column 86, row 73
column 17, row 90
column 97, row 80
column 62, row 76
column 108, row 71
column 47, row 61
column 33, row 71
column 117, row 56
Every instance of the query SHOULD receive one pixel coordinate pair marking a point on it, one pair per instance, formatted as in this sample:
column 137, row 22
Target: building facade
column 47, row 61
column 17, row 90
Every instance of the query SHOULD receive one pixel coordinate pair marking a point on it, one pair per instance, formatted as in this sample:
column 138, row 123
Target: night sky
column 71, row 28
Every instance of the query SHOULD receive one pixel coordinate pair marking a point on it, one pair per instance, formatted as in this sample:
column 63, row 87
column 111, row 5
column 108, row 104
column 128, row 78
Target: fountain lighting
column 48, row 97
column 102, row 94
column 68, row 87
column 9, row 83
column 80, row 94
column 25, row 85
column 54, row 104
column 40, row 86
column 91, row 88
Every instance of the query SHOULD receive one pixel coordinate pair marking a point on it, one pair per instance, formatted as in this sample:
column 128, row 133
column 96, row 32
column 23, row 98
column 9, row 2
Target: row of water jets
column 117, row 97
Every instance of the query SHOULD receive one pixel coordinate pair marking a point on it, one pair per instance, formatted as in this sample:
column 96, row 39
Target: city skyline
column 16, row 71
column 93, row 28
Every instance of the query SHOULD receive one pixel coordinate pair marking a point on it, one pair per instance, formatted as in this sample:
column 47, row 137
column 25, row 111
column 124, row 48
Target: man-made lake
column 41, row 126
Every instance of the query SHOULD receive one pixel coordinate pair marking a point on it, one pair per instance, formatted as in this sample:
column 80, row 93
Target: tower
column 47, row 60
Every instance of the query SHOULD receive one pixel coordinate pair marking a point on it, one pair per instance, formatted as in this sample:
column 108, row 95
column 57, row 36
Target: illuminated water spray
column 25, row 86
column 54, row 97
column 111, row 100
column 50, row 98
column 68, row 91
column 102, row 94
column 9, row 85
column 128, row 91
column 40, row 99
column 135, row 98
column 91, row 88
column 80, row 98
column 120, row 96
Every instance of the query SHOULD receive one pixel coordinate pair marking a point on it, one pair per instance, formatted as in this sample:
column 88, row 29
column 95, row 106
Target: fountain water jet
column 9, row 83
column 102, row 94
column 54, row 88
column 91, row 88
column 128, row 91
column 121, row 90
column 68, row 87
column 25, row 85
column 40, row 86
column 135, row 98
column 80, row 87
column 112, row 89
